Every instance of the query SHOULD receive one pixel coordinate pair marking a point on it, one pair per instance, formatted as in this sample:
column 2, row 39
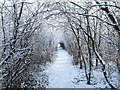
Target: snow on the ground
column 63, row 74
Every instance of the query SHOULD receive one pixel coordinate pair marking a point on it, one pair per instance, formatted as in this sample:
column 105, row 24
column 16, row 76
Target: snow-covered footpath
column 63, row 74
